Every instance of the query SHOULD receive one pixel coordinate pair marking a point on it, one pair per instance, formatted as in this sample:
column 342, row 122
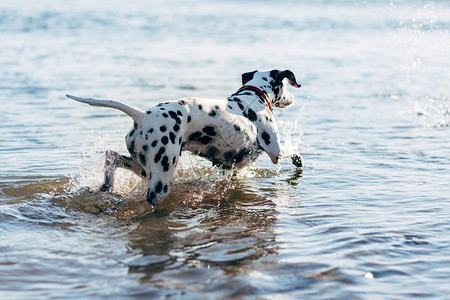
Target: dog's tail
column 134, row 113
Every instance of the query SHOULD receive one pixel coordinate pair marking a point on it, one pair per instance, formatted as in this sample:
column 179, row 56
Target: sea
column 367, row 217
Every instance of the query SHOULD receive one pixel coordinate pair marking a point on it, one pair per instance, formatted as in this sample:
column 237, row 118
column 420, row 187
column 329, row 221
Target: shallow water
column 368, row 216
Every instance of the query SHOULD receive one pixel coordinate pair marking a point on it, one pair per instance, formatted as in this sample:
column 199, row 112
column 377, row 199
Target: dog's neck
column 260, row 93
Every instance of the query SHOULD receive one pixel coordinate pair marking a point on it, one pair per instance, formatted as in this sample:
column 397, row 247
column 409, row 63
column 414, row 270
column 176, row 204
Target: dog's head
column 273, row 82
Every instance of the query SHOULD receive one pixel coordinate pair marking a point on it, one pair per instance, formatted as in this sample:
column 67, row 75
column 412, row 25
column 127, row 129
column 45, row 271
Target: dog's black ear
column 246, row 77
column 290, row 77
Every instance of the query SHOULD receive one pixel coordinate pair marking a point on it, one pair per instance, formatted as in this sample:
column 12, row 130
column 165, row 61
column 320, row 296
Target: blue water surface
column 366, row 218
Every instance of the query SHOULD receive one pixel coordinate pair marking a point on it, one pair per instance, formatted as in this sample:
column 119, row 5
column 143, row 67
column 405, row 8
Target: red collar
column 258, row 92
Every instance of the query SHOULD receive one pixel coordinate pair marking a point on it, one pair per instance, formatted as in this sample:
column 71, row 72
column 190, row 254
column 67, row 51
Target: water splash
column 90, row 163
column 422, row 32
column 433, row 111
column 195, row 180
column 291, row 136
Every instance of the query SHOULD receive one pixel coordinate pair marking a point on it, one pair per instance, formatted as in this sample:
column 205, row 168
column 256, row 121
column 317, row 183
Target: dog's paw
column 297, row 160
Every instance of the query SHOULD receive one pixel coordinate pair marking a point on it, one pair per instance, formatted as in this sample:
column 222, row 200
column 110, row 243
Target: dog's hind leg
column 114, row 160
column 161, row 172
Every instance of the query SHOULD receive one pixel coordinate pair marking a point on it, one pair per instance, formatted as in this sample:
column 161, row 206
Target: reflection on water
column 223, row 234
column 220, row 234
column 225, row 242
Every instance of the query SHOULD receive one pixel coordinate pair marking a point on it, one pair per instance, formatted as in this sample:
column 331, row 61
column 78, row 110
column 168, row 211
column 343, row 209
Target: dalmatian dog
column 231, row 133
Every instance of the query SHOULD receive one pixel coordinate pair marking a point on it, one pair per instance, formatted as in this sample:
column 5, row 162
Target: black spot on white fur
column 194, row 136
column 211, row 152
column 151, row 197
column 209, row 130
column 165, row 163
column 172, row 137
column 142, row 159
column 158, row 187
column 251, row 115
column 266, row 137
column 200, row 138
column 159, row 154
column 173, row 114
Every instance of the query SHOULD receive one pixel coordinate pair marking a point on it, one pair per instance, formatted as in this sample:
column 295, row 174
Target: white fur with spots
column 231, row 133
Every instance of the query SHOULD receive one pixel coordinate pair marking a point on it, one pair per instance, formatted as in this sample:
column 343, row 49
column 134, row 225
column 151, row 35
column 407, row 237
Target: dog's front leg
column 269, row 140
